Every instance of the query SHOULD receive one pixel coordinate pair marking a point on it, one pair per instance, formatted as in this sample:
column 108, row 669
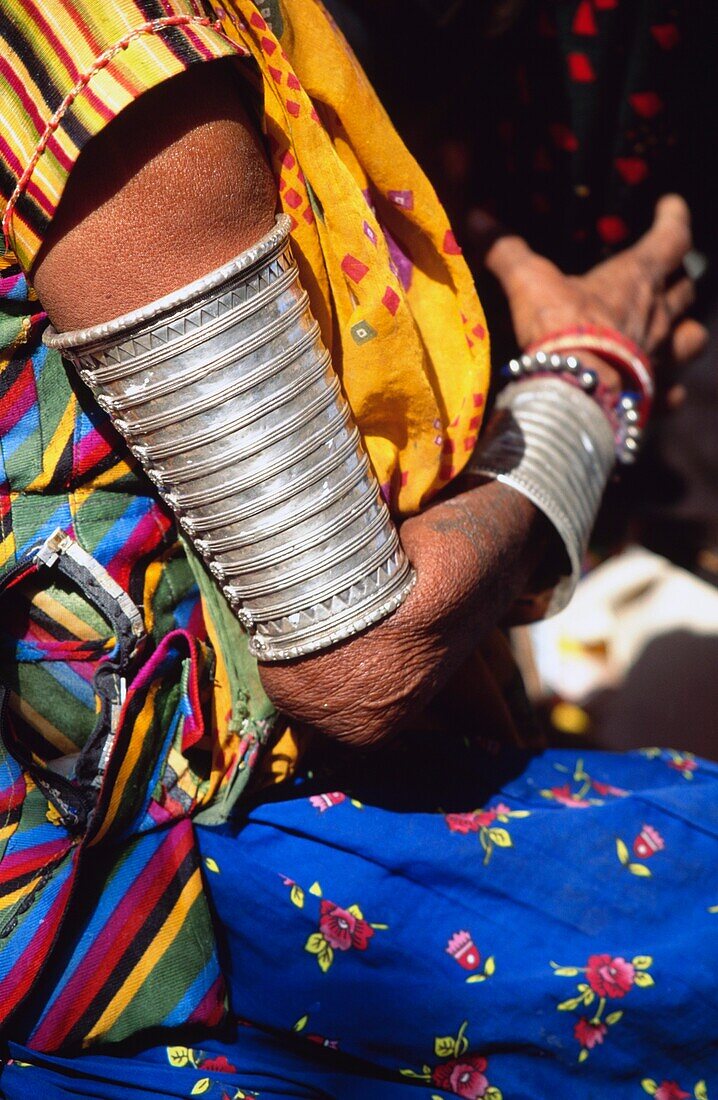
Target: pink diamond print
column 257, row 21
column 479, row 332
column 469, row 442
column 308, row 216
column 391, row 300
column 288, row 159
column 293, row 82
column 354, row 268
column 276, row 74
column 293, row 108
column 475, row 423
column 293, row 198
column 451, row 247
column 478, row 399
column 268, row 45
column 404, row 199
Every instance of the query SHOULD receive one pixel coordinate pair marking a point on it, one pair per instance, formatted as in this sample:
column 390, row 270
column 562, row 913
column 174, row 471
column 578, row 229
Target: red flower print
column 324, row 802
column 485, row 817
column 341, row 929
column 607, row 788
column 463, row 1076
column 670, row 1090
column 217, row 1065
column 462, row 948
column 648, row 842
column 588, row 1035
column 476, row 819
column 463, row 823
column 683, row 764
column 566, row 798
column 608, row 976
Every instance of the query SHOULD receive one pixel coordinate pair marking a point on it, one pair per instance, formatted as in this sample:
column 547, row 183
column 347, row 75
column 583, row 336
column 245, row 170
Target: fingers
column 661, row 250
column 679, row 298
column 675, row 397
column 688, row 339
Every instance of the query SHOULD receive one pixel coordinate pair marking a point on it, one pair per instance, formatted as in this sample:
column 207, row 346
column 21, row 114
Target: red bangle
column 610, row 344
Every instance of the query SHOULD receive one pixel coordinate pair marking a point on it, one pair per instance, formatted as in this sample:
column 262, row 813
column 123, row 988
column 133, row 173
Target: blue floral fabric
column 555, row 937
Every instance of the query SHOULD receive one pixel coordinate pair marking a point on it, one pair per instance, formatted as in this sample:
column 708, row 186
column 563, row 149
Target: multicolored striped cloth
column 62, row 466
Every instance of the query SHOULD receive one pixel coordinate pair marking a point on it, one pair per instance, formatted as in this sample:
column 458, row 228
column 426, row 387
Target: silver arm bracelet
column 552, row 443
column 226, row 394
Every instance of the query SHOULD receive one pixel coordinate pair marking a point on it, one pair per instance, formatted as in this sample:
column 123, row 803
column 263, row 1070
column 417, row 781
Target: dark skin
column 181, row 179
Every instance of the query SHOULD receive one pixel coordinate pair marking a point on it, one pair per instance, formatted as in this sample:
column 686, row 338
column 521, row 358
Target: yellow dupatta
column 387, row 282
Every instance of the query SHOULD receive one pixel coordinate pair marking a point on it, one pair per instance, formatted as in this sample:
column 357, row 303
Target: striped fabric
column 66, row 69
column 140, row 944
column 140, row 951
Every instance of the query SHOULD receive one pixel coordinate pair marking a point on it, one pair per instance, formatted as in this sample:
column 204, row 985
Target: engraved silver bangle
column 553, row 444
column 227, row 397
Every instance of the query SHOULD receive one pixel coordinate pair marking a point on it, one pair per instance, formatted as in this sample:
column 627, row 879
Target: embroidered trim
column 153, row 26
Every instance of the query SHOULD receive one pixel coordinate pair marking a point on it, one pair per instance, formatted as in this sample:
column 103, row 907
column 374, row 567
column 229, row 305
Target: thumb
column 661, row 250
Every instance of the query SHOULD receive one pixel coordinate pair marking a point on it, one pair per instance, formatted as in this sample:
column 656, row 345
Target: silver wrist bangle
column 553, row 444
column 226, row 394
column 624, row 414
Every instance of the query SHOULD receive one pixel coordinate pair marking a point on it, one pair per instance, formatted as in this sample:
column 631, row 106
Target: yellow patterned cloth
column 386, row 279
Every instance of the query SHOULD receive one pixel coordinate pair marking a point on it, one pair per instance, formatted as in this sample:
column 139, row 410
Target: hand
column 643, row 291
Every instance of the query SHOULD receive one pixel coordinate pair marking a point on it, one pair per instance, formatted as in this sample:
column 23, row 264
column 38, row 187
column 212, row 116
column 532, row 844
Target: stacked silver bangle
column 226, row 394
column 553, row 444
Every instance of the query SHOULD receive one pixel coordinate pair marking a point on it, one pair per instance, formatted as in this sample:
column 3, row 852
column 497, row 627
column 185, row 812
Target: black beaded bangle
column 623, row 415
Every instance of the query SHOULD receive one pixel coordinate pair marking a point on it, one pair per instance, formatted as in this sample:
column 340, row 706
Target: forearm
column 473, row 556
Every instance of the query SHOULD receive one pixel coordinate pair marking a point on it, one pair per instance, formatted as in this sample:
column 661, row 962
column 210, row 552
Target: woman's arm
column 175, row 186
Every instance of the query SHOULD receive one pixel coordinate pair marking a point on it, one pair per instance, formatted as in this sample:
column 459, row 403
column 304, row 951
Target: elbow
column 361, row 692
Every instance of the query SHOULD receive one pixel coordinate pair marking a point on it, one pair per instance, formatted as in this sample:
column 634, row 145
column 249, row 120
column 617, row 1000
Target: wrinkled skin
column 643, row 292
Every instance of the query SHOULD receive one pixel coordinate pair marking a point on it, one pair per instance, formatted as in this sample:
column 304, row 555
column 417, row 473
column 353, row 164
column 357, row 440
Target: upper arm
column 172, row 188
column 68, row 71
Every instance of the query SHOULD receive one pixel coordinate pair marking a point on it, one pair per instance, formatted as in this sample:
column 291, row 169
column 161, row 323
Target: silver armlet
column 553, row 444
column 226, row 394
